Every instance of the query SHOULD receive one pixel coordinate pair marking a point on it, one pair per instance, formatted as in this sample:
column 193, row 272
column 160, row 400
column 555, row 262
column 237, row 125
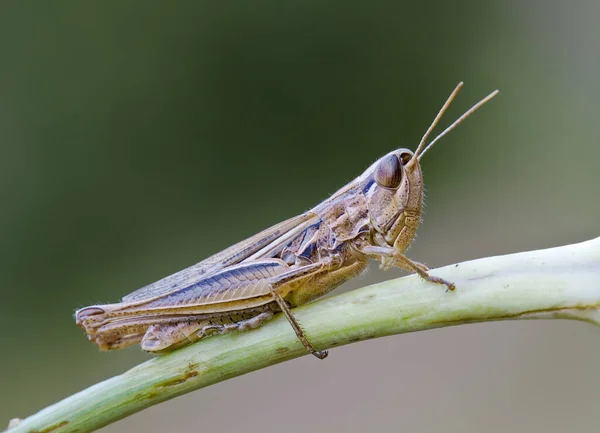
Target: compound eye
column 389, row 172
column 405, row 158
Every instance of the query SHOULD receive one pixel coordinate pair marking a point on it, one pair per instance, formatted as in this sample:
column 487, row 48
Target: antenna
column 422, row 148
column 437, row 118
column 457, row 121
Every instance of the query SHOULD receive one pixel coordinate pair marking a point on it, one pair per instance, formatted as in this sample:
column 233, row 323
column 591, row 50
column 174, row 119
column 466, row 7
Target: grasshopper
column 375, row 216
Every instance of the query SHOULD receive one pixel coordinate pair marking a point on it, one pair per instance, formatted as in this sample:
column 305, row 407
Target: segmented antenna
column 421, row 149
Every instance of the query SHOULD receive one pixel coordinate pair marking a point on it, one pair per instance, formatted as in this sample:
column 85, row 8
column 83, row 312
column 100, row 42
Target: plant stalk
column 556, row 283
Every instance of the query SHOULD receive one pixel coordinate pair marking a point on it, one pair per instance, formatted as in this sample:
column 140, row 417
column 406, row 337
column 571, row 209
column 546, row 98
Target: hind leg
column 242, row 325
column 119, row 342
column 167, row 337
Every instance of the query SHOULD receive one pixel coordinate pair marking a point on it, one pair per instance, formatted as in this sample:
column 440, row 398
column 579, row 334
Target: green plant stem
column 561, row 283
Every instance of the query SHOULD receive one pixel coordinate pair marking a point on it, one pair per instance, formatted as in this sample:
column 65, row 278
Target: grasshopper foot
column 433, row 279
column 321, row 354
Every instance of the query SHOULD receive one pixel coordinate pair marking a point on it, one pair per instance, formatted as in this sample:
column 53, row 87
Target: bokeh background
column 138, row 137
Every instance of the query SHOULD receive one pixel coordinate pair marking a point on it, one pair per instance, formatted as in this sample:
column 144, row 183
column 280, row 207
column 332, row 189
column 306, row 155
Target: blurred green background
column 137, row 138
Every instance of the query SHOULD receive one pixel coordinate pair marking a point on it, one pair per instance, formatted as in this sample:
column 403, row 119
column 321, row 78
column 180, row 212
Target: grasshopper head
column 393, row 190
column 393, row 186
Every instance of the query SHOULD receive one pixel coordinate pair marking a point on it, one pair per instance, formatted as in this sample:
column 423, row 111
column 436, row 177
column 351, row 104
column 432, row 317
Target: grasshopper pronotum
column 298, row 260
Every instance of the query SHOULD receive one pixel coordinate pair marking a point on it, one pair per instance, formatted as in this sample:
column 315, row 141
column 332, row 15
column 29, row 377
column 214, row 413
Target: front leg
column 398, row 259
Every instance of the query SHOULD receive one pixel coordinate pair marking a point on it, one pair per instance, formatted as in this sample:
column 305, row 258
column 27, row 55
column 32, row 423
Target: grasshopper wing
column 231, row 295
column 271, row 241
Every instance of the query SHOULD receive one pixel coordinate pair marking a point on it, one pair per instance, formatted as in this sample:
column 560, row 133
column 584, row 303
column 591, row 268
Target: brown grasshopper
column 298, row 260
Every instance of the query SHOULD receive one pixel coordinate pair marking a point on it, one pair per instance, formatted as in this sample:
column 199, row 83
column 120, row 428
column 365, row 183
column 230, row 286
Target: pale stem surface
column 562, row 283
